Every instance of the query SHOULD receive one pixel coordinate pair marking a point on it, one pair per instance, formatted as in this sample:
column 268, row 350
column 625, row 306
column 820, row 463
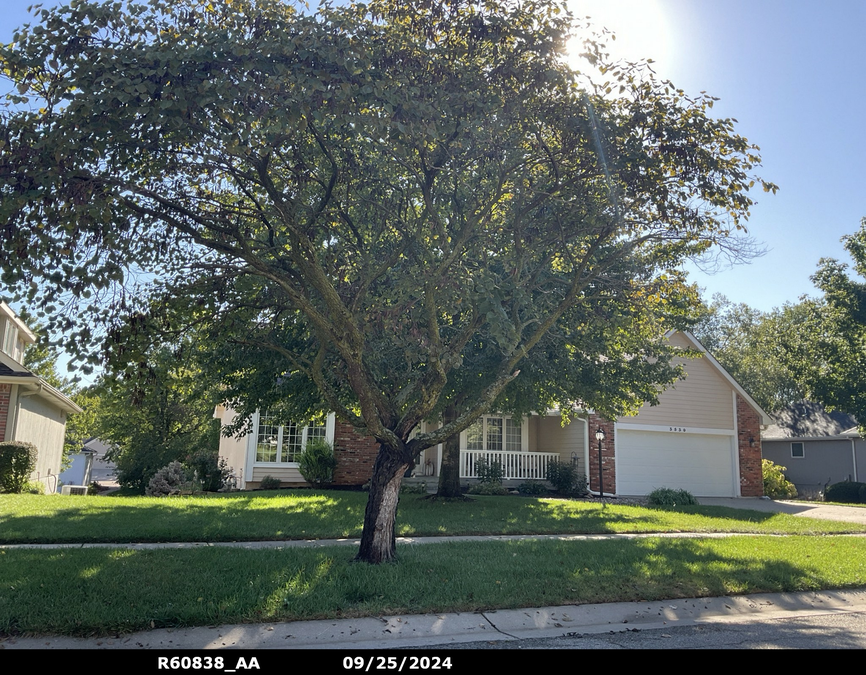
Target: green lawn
column 103, row 591
column 307, row 514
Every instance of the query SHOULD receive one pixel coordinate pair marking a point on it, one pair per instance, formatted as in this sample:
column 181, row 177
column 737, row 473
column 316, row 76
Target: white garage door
column 703, row 464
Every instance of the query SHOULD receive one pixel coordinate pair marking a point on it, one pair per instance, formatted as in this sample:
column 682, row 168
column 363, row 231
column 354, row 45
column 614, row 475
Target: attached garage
column 703, row 435
column 703, row 464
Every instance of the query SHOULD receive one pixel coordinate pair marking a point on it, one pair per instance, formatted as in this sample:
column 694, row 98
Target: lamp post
column 599, row 435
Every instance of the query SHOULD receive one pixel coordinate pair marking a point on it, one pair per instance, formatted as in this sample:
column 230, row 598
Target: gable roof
column 11, row 372
column 808, row 419
column 765, row 417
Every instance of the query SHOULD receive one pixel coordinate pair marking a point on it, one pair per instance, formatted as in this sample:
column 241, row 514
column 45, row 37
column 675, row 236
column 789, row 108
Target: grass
column 106, row 591
column 308, row 514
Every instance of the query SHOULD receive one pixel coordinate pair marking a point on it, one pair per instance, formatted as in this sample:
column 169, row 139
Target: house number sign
column 679, row 429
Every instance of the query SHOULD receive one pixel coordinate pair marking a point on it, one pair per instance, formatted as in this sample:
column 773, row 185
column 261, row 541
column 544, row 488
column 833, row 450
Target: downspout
column 21, row 394
column 854, row 457
column 12, row 413
column 585, row 421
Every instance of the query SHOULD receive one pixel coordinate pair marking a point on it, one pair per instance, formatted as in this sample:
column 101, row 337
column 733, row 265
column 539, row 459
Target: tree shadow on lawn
column 308, row 514
column 100, row 591
column 239, row 516
column 509, row 515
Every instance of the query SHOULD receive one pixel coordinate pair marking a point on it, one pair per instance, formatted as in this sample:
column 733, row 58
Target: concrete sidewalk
column 399, row 632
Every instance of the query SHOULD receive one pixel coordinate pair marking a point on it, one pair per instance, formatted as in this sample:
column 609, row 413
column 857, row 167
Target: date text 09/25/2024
column 349, row 663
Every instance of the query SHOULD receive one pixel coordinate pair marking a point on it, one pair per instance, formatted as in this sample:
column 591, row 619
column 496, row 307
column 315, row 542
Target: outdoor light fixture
column 751, row 442
column 599, row 435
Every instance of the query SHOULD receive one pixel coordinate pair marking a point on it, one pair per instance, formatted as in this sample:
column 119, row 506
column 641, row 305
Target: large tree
column 413, row 208
column 157, row 413
column 749, row 344
column 826, row 347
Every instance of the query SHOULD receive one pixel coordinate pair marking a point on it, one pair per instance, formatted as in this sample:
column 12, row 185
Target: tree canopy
column 826, row 348
column 405, row 206
column 750, row 345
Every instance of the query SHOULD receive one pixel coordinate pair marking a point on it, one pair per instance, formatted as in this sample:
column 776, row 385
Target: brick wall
column 355, row 455
column 608, row 452
column 5, row 394
column 749, row 442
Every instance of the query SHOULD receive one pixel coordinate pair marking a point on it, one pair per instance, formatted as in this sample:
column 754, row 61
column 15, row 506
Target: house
column 704, row 436
column 817, row 447
column 31, row 410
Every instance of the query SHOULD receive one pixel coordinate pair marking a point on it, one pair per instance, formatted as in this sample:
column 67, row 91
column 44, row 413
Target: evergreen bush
column 169, row 480
column 17, row 462
column 847, row 492
column 671, row 497
column 317, row 463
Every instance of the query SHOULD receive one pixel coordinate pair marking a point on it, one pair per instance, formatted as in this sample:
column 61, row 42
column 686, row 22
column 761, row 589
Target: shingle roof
column 6, row 371
column 808, row 419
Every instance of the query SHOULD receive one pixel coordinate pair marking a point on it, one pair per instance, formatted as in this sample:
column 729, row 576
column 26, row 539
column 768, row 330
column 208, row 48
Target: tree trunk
column 378, row 539
column 449, row 472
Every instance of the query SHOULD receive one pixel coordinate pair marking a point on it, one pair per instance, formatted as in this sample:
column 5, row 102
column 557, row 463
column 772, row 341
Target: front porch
column 515, row 465
column 523, row 448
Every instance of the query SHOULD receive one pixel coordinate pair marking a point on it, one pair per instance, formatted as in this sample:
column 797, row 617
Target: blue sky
column 791, row 72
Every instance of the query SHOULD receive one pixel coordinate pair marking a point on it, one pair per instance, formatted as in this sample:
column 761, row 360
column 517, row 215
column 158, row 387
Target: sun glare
column 640, row 27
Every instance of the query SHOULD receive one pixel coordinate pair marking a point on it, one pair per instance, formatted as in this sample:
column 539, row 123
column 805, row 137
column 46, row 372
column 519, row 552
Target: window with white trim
column 11, row 343
column 278, row 443
column 496, row 432
column 798, row 450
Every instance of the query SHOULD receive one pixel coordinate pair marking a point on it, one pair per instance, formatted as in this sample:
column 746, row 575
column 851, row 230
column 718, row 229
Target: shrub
column 488, row 488
column 317, row 463
column 270, row 483
column 211, row 470
column 169, row 480
column 34, row 487
column 565, row 479
column 489, row 472
column 414, row 488
column 848, row 492
column 671, row 497
column 17, row 461
column 532, row 488
column 776, row 486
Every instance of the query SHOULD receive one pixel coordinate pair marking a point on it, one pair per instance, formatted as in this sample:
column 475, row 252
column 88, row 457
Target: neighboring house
column 90, row 465
column 704, row 436
column 817, row 447
column 30, row 409
column 103, row 471
column 80, row 469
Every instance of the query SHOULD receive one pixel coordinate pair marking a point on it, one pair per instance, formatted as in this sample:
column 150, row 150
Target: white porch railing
column 515, row 465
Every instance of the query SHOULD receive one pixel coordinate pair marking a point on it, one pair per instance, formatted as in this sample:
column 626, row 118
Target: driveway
column 849, row 514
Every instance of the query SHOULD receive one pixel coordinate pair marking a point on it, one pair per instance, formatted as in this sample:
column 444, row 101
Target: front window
column 282, row 443
column 494, row 433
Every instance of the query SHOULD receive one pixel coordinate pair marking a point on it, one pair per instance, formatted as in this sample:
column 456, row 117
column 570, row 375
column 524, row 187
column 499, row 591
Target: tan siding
column 234, row 450
column 285, row 474
column 702, row 400
column 45, row 426
column 553, row 437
